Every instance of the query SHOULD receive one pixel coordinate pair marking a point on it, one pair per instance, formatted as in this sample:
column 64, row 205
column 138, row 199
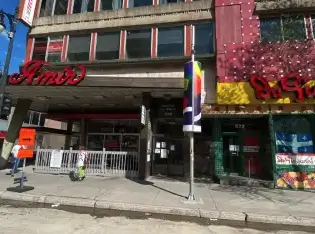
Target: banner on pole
column 192, row 97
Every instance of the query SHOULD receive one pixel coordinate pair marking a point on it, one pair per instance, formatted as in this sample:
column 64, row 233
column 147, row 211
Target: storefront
column 265, row 131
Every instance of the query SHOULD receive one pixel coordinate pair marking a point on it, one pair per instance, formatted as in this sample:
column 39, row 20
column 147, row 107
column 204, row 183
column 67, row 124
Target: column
column 20, row 111
column 83, row 132
column 145, row 155
column 69, row 133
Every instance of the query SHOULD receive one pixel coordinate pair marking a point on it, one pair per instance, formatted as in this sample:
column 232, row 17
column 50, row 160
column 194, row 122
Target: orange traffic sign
column 25, row 153
column 27, row 137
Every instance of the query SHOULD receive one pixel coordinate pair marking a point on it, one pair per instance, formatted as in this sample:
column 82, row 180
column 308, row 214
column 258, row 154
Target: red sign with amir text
column 32, row 75
column 290, row 83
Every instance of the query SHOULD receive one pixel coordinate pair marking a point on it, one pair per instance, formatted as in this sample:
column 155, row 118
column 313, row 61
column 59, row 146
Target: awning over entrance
column 101, row 88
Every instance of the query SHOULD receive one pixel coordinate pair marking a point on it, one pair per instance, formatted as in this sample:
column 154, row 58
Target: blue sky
column 19, row 40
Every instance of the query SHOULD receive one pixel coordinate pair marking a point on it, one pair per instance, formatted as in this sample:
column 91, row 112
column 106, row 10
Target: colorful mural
column 296, row 180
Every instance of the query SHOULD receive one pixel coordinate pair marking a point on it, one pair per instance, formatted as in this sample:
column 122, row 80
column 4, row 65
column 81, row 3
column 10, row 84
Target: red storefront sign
column 290, row 83
column 32, row 75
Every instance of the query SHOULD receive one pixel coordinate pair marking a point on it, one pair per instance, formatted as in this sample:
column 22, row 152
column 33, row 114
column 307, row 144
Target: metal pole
column 13, row 19
column 191, row 195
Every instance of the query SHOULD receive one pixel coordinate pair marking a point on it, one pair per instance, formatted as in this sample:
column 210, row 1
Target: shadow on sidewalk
column 144, row 182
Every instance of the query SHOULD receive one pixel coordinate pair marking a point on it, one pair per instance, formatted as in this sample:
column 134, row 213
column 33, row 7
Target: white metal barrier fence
column 104, row 163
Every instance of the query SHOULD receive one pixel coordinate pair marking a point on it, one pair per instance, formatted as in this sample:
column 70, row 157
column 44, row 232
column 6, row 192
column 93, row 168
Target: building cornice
column 266, row 6
column 124, row 18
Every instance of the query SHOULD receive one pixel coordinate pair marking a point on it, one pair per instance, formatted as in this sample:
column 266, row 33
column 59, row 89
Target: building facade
column 256, row 58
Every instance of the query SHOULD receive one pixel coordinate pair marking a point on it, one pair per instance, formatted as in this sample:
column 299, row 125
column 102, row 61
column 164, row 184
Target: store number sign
column 239, row 126
column 168, row 111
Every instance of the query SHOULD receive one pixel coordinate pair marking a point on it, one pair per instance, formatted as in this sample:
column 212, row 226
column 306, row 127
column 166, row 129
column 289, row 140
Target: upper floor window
column 79, row 48
column 283, row 28
column 204, row 38
column 170, row 42
column 82, row 6
column 46, row 8
column 54, row 49
column 48, row 49
column 61, row 7
column 139, row 3
column 53, row 7
column 138, row 44
column 40, row 47
column 110, row 4
column 313, row 25
column 169, row 1
column 107, row 46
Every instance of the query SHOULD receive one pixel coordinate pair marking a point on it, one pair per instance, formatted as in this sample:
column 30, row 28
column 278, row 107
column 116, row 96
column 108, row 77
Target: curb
column 100, row 207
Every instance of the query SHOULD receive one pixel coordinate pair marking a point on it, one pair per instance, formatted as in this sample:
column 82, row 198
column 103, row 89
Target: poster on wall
column 295, row 159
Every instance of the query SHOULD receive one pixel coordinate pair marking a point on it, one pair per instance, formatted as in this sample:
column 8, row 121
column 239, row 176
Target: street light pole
column 13, row 20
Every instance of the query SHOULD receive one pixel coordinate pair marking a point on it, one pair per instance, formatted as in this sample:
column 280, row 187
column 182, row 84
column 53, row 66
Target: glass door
column 232, row 155
column 167, row 157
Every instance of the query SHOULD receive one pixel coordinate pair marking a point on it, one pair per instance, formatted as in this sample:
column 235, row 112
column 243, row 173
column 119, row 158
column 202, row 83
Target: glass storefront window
column 40, row 47
column 138, row 44
column 79, row 48
column 82, row 6
column 139, row 3
column 95, row 142
column 170, row 42
column 204, row 38
column 61, row 7
column 107, row 46
column 283, row 28
column 110, row 4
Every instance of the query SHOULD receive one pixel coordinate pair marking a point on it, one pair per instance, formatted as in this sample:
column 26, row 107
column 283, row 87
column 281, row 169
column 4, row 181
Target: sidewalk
column 214, row 202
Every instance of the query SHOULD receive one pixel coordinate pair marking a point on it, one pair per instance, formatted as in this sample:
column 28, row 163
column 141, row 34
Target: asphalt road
column 50, row 221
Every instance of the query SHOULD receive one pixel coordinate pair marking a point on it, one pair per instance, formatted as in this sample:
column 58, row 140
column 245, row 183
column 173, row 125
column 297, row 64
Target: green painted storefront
column 245, row 146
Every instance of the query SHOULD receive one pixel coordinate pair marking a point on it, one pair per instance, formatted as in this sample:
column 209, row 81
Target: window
column 40, row 47
column 204, row 38
column 171, row 42
column 82, row 6
column 283, row 28
column 61, row 7
column 169, row 1
column 46, row 8
column 313, row 25
column 138, row 44
column 54, row 49
column 110, row 4
column 139, row 3
column 79, row 48
column 107, row 46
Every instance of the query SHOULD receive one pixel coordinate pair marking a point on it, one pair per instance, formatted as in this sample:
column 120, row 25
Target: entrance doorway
column 168, row 159
column 246, row 150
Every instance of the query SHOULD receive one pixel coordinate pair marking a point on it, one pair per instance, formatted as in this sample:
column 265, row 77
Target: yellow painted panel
column 243, row 93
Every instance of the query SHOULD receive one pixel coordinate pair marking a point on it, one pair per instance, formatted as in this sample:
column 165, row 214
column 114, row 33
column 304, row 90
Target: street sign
column 27, row 137
column 25, row 153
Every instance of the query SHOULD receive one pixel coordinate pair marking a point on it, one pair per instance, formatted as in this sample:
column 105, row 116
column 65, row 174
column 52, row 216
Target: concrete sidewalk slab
column 104, row 195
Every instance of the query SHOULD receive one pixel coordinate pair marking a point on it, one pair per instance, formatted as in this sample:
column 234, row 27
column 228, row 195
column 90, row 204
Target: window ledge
column 265, row 6
column 125, row 13
column 147, row 61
